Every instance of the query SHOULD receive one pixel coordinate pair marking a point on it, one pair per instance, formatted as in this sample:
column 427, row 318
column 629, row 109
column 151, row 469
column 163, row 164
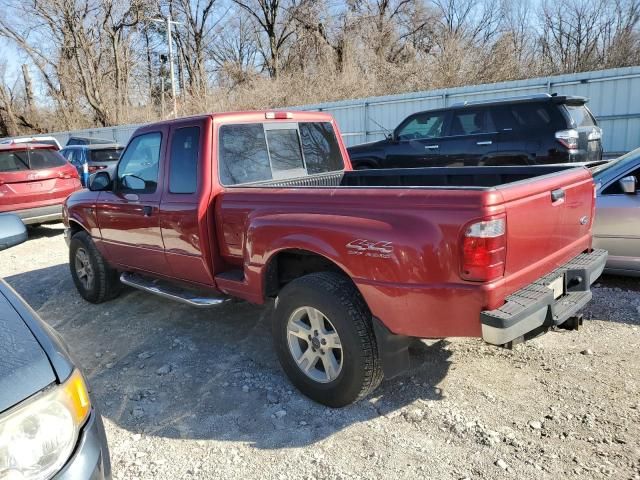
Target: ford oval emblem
column 584, row 220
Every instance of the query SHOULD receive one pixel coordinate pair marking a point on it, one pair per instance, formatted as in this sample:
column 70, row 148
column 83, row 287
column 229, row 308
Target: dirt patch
column 189, row 393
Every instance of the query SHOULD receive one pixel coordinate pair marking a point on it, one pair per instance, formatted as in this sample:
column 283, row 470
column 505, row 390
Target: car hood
column 24, row 367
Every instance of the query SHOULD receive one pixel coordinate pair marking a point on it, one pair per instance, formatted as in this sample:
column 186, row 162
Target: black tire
column 337, row 298
column 105, row 283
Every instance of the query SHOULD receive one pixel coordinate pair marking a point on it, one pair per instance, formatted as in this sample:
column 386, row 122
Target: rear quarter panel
column 410, row 285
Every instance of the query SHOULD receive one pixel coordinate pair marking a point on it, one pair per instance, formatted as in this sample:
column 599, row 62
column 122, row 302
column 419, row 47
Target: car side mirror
column 629, row 184
column 12, row 231
column 99, row 182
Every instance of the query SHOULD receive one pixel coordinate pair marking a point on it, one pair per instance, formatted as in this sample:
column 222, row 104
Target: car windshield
column 106, row 155
column 626, row 159
column 16, row 160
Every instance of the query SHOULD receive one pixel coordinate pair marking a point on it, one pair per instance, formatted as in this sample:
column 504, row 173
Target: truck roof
column 250, row 116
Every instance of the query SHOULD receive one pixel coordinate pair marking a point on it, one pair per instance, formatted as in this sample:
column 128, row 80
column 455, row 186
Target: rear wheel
column 324, row 339
column 94, row 279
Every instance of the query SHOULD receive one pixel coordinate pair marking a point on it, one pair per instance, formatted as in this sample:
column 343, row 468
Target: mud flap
column 392, row 349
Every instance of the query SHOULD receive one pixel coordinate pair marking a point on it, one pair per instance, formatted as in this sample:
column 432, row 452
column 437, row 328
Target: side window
column 243, row 154
column 138, row 168
column 470, row 122
column 183, row 162
column 422, row 125
column 320, row 147
column 524, row 116
column 615, row 188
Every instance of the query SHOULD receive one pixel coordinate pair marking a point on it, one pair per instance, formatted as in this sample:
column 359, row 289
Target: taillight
column 568, row 138
column 95, row 168
column 595, row 134
column 484, row 250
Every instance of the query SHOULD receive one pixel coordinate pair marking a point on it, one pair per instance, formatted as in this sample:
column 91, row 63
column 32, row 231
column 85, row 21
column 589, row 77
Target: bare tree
column 274, row 20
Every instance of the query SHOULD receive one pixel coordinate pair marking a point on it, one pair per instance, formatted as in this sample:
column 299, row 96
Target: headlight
column 38, row 435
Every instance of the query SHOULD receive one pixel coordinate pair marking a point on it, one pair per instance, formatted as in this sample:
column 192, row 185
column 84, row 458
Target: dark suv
column 539, row 129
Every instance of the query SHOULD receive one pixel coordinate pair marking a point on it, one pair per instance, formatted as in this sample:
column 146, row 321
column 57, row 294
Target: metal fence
column 614, row 98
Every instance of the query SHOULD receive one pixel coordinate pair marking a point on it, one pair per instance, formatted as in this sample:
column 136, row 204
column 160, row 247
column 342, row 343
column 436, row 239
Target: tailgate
column 549, row 221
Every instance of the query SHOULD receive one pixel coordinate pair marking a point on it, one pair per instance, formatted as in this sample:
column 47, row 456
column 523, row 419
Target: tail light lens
column 595, row 134
column 484, row 250
column 95, row 168
column 568, row 138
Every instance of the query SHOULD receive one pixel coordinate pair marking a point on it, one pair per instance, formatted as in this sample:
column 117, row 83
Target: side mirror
column 99, row 182
column 12, row 231
column 629, row 184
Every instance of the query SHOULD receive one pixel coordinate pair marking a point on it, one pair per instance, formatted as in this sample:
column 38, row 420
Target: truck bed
column 442, row 177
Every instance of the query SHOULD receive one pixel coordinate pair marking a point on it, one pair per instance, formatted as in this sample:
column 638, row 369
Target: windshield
column 617, row 162
column 17, row 160
column 106, row 155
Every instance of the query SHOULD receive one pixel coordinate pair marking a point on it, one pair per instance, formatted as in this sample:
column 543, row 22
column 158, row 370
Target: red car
column 264, row 206
column 34, row 182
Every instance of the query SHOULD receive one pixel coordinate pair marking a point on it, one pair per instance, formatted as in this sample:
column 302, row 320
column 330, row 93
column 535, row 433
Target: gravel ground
column 189, row 393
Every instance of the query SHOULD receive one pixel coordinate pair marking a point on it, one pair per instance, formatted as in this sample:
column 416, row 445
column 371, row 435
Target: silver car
column 617, row 223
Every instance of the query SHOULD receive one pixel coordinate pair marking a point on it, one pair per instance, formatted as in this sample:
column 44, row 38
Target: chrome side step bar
column 171, row 291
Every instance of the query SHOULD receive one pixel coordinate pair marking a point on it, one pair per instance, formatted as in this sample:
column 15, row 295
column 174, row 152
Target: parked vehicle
column 42, row 140
column 79, row 140
column 264, row 205
column 34, row 181
column 97, row 157
column 539, row 129
column 617, row 224
column 49, row 427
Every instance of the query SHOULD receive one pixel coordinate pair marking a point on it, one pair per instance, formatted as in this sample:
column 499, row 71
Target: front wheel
column 95, row 280
column 324, row 339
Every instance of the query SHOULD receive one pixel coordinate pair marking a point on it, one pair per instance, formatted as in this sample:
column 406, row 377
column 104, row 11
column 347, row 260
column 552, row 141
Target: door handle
column 485, row 142
column 432, row 147
column 557, row 195
column 146, row 211
column 132, row 197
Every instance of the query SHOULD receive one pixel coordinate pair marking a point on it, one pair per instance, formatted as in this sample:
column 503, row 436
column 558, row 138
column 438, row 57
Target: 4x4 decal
column 370, row 248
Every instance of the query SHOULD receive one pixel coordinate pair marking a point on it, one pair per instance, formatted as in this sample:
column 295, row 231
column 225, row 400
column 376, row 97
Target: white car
column 43, row 140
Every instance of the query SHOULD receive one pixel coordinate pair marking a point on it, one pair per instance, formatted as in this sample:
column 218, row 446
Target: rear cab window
column 32, row 159
column 257, row 152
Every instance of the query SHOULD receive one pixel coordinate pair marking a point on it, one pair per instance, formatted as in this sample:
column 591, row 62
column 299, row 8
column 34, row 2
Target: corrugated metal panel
column 614, row 98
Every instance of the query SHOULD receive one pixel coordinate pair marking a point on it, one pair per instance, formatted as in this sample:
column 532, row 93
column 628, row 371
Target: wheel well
column 288, row 265
column 75, row 227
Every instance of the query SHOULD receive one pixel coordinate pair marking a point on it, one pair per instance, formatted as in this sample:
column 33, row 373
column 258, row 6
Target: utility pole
column 162, row 97
column 169, row 22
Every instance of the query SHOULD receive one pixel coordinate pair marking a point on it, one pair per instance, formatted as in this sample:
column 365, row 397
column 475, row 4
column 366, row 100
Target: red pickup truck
column 265, row 205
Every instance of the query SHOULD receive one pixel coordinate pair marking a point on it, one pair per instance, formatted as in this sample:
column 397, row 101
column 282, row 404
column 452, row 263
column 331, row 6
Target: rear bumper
column 534, row 306
column 30, row 216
